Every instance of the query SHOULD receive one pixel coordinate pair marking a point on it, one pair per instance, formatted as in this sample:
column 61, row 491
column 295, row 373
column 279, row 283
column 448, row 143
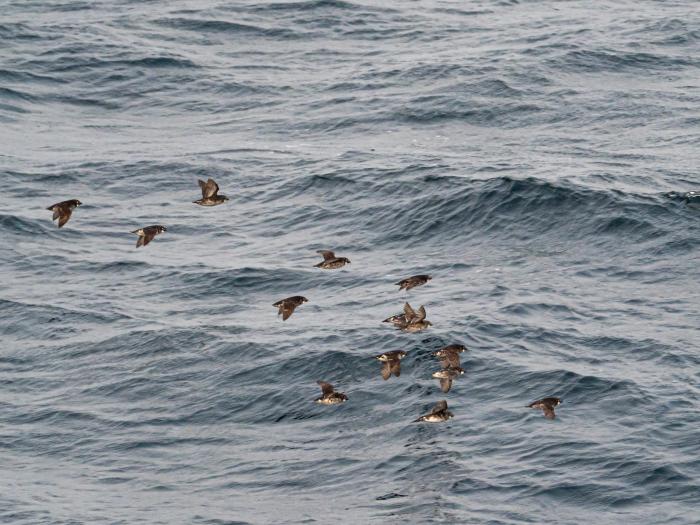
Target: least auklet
column 414, row 321
column 446, row 375
column 210, row 194
column 330, row 261
column 412, row 282
column 287, row 306
column 448, row 350
column 391, row 363
column 147, row 234
column 437, row 414
column 449, row 356
column 329, row 396
column 546, row 405
column 63, row 210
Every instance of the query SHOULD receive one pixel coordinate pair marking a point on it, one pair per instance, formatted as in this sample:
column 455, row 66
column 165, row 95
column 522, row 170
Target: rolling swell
column 534, row 157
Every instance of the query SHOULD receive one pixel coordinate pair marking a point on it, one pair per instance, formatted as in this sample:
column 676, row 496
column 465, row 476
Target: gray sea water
column 531, row 155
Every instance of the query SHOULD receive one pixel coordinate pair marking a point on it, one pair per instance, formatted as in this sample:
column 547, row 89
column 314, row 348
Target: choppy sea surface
column 531, row 156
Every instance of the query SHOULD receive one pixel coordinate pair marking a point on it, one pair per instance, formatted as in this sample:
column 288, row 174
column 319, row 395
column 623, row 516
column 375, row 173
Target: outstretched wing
column 408, row 312
column 326, row 388
column 287, row 309
column 421, row 314
column 450, row 360
column 64, row 213
column 386, row 370
column 439, row 407
column 209, row 188
column 445, row 385
column 148, row 236
column 327, row 254
column 548, row 412
column 395, row 367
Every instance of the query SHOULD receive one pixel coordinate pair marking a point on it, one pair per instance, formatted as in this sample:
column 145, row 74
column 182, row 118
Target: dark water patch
column 433, row 109
column 12, row 94
column 28, row 321
column 204, row 521
column 18, row 31
column 83, row 65
column 310, row 5
column 227, row 28
column 617, row 61
column 14, row 225
column 13, row 75
column 557, row 310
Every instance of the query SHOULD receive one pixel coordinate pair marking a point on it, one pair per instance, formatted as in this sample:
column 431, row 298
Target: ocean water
column 532, row 156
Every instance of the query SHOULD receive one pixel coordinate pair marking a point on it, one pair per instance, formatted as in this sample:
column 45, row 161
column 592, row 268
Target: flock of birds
column 409, row 320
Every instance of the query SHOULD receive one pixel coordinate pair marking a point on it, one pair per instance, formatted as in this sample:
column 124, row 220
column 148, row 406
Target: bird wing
column 408, row 312
column 386, row 370
column 148, row 236
column 421, row 314
column 450, row 360
column 286, row 309
column 395, row 367
column 209, row 188
column 445, row 385
column 439, row 407
column 327, row 254
column 326, row 388
column 548, row 412
column 64, row 213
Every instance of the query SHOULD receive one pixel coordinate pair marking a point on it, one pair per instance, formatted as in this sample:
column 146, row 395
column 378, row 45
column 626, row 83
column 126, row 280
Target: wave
column 228, row 28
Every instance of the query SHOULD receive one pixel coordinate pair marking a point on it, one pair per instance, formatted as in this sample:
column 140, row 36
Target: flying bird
column 210, row 194
column 437, row 414
column 287, row 306
column 412, row 282
column 329, row 396
column 391, row 363
column 448, row 350
column 449, row 356
column 447, row 375
column 63, row 210
column 414, row 321
column 546, row 405
column 330, row 261
column 147, row 234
